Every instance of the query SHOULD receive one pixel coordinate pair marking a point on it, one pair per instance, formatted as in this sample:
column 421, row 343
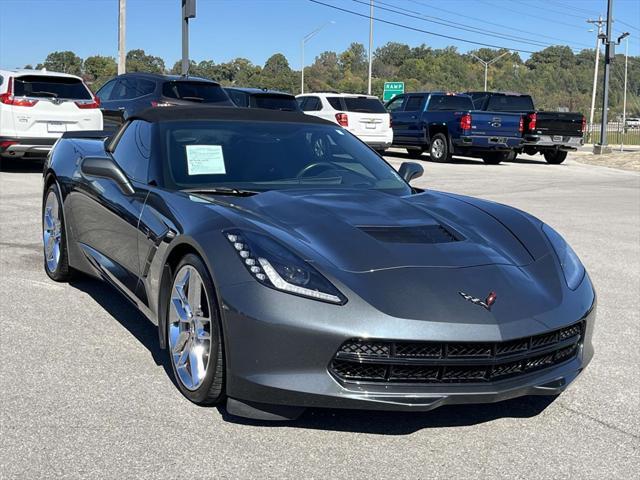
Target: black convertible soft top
column 165, row 114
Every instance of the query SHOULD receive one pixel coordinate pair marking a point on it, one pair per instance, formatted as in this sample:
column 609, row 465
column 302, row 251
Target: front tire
column 439, row 148
column 194, row 337
column 54, row 241
column 555, row 157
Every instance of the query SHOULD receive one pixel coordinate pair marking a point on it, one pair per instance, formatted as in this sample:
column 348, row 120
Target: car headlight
column 571, row 265
column 275, row 266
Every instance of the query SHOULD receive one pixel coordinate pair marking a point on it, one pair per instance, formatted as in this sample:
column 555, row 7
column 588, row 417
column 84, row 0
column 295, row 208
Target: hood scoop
column 420, row 234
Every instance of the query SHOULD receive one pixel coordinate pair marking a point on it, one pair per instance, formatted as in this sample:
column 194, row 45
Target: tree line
column 556, row 77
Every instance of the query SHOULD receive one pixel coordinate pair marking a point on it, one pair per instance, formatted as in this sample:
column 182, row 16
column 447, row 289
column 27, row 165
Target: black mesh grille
column 454, row 362
column 367, row 348
column 419, row 350
column 359, row 371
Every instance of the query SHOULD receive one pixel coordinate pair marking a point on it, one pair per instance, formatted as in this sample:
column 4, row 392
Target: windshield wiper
column 222, row 191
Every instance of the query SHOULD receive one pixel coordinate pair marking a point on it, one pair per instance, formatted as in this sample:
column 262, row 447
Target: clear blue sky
column 255, row 29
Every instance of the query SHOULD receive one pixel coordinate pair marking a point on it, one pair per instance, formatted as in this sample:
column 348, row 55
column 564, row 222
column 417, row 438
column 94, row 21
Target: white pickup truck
column 37, row 107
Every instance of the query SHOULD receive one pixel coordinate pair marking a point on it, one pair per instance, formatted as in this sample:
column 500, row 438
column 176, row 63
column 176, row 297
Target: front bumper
column 17, row 147
column 279, row 350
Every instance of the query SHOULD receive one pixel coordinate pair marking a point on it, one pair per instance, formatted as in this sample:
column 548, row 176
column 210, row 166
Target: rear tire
column 54, row 239
column 194, row 333
column 415, row 152
column 555, row 157
column 511, row 156
column 439, row 148
column 494, row 158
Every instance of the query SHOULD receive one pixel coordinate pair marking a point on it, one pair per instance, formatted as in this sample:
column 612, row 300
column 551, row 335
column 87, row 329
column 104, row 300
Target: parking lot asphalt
column 85, row 391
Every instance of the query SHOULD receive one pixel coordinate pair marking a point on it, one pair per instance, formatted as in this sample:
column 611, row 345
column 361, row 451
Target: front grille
column 453, row 362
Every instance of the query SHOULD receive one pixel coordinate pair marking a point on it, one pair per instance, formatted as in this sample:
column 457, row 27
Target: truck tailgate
column 504, row 124
column 559, row 123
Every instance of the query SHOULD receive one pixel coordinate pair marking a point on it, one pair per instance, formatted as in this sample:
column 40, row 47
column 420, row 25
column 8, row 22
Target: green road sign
column 391, row 89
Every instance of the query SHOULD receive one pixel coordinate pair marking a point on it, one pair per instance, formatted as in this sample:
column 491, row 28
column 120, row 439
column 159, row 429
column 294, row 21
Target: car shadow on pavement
column 22, row 165
column 404, row 423
column 127, row 315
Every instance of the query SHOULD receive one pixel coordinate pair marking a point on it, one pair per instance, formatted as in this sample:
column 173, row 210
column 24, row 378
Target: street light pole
column 486, row 65
column 624, row 97
column 188, row 11
column 370, row 44
column 608, row 54
column 305, row 39
column 122, row 24
column 595, row 70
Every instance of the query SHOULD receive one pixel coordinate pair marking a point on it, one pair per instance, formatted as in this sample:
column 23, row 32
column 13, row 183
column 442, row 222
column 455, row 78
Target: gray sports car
column 287, row 266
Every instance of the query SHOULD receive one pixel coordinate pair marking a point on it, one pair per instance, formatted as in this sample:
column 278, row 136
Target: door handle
column 413, row 117
column 122, row 109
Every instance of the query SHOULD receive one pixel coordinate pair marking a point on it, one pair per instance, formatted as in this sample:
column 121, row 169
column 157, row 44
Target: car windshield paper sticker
column 205, row 160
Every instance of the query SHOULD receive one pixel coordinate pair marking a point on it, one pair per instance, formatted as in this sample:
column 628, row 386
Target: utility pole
column 370, row 44
column 486, row 65
column 122, row 24
column 188, row 11
column 624, row 97
column 599, row 22
column 609, row 53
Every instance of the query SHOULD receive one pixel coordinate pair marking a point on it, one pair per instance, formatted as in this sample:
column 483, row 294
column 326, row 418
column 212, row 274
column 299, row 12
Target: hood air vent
column 415, row 234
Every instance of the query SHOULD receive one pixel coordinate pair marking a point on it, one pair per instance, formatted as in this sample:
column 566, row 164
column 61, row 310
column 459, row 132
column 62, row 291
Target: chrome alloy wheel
column 437, row 149
column 189, row 327
column 51, row 231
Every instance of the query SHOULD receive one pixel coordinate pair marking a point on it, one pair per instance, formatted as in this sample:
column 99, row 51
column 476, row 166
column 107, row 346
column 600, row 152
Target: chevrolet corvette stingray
column 287, row 265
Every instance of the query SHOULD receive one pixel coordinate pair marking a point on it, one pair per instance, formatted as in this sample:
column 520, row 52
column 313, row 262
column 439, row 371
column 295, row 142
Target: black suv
column 262, row 98
column 130, row 93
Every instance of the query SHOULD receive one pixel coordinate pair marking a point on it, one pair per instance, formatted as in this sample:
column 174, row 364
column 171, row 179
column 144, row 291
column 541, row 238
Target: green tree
column 139, row 61
column 63, row 62
column 98, row 66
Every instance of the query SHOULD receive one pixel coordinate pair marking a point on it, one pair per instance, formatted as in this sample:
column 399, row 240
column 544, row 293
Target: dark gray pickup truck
column 551, row 134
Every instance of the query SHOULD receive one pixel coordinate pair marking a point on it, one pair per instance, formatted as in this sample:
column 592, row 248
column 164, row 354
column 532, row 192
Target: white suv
column 37, row 107
column 363, row 115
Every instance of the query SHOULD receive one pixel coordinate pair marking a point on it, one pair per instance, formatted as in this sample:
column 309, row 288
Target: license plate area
column 56, row 127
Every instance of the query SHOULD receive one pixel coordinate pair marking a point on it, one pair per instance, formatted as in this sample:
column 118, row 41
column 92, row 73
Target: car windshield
column 50, row 87
column 203, row 92
column 275, row 102
column 261, row 156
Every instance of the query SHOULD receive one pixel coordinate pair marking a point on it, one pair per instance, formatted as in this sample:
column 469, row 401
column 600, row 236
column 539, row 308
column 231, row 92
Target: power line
column 407, row 27
column 446, row 23
column 519, row 12
column 488, row 22
column 573, row 8
column 547, row 9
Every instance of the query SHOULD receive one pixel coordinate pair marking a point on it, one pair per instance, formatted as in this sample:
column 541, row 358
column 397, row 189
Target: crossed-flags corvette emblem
column 490, row 300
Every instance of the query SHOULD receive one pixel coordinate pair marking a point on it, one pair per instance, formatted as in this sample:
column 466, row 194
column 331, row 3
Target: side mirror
column 410, row 170
column 105, row 167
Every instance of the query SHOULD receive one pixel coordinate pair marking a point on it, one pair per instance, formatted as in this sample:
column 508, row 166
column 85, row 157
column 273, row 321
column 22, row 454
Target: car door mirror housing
column 410, row 170
column 105, row 167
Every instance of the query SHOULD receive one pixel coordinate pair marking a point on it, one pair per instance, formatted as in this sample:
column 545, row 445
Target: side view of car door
column 106, row 216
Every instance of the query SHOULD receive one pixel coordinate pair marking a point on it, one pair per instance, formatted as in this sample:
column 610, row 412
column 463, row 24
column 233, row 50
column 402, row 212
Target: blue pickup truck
column 445, row 124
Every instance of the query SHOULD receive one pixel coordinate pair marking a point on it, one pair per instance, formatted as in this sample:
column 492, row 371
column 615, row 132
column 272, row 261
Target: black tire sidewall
column 207, row 393
column 555, row 158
